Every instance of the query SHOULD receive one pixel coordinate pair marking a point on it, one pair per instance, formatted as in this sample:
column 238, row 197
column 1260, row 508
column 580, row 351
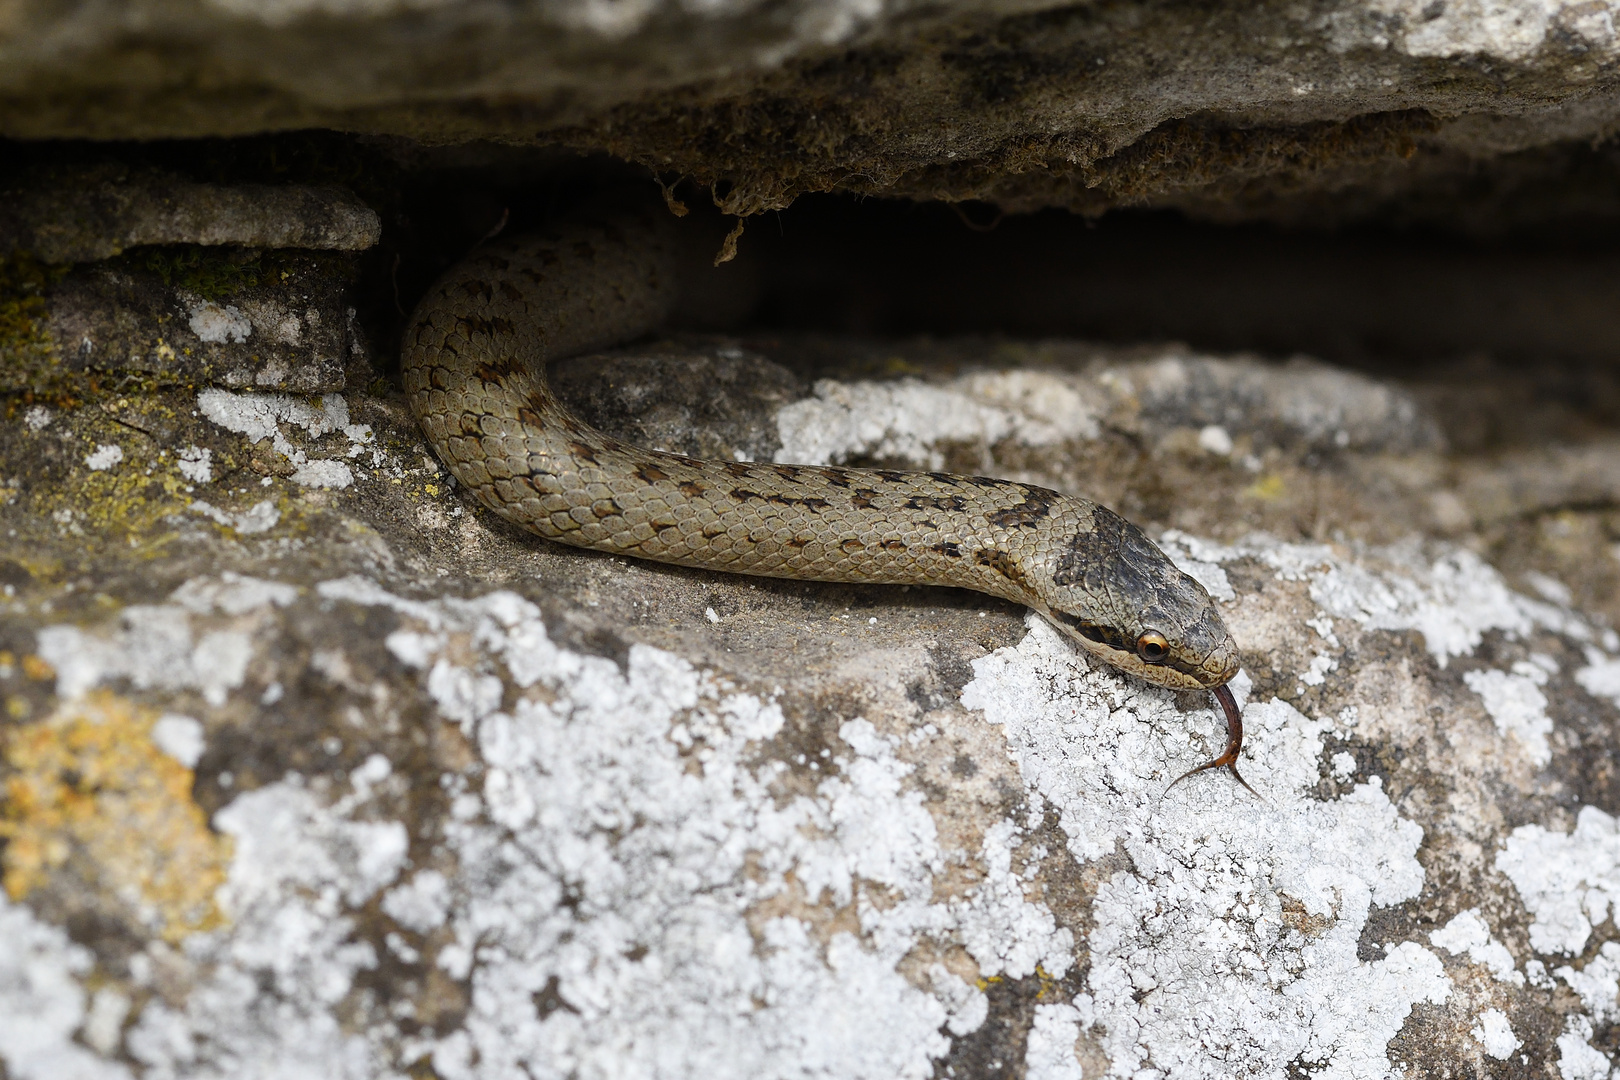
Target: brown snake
column 473, row 365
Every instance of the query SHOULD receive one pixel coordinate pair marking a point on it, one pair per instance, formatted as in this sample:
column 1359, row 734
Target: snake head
column 1111, row 589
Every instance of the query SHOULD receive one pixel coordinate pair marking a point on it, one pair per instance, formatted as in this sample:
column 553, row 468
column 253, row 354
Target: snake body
column 473, row 367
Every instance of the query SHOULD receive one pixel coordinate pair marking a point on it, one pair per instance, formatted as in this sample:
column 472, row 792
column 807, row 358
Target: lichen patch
column 91, row 793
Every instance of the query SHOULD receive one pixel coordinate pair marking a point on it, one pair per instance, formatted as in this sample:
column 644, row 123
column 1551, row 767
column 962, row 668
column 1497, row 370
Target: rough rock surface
column 1235, row 109
column 310, row 767
column 313, row 768
column 65, row 215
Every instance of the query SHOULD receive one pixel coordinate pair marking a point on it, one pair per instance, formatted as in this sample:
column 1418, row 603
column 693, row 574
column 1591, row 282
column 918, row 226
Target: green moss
column 211, row 273
column 26, row 347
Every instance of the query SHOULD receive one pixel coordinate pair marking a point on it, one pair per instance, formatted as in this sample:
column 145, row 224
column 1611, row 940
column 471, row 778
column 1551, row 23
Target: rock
column 65, row 215
column 206, row 295
column 311, row 766
column 1335, row 110
column 274, row 320
column 447, row 796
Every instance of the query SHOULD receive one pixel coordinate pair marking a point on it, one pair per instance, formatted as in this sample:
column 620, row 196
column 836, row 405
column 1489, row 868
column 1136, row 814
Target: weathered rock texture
column 1236, row 109
column 309, row 767
column 313, row 768
column 65, row 215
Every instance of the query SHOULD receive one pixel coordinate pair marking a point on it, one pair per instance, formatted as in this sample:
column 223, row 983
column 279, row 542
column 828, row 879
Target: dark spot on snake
column 945, row 478
column 583, row 452
column 797, row 542
column 987, row 481
column 862, row 499
column 1105, row 635
column 836, row 477
column 790, row 473
column 713, row 530
column 952, row 503
column 894, row 545
column 511, row 292
column 530, row 418
column 606, row 508
column 1001, row 562
column 478, row 290
column 472, row 423
column 494, row 374
column 851, row 546
column 660, row 526
column 738, row 469
column 692, row 489
column 1091, row 554
column 889, row 476
column 1142, row 567
column 651, row 474
column 1036, row 505
column 948, row 548
column 811, row 504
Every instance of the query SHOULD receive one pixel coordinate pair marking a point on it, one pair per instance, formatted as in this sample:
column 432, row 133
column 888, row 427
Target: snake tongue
column 1234, row 742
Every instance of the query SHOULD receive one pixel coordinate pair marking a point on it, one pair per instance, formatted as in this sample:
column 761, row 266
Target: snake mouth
column 1173, row 673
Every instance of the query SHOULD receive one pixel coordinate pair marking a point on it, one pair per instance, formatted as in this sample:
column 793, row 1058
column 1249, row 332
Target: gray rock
column 1237, row 110
column 65, row 214
column 244, row 318
column 317, row 766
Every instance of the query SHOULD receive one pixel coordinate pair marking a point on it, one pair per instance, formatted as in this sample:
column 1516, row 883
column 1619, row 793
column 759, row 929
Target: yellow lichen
column 91, row 794
column 1268, row 488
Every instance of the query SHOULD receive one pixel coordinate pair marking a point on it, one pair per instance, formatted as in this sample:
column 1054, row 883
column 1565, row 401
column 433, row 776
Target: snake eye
column 1152, row 647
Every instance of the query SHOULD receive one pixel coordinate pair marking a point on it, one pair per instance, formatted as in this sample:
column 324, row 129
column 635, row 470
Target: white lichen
column 1506, row 29
column 1598, row 983
column 1568, row 882
column 1578, row 1059
column 181, row 737
column 1467, row 934
column 104, row 457
column 42, row 1002
column 910, row 420
column 265, row 1006
column 1495, row 1035
column 155, row 646
column 219, row 324
column 196, row 464
column 259, row 416
column 1517, row 705
column 1197, row 964
column 261, row 517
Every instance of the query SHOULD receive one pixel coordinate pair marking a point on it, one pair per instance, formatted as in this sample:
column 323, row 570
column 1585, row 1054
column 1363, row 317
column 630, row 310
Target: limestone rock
column 66, row 215
column 483, row 804
column 1332, row 109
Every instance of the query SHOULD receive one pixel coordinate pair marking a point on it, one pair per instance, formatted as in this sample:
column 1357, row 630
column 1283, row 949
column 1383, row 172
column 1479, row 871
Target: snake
column 473, row 367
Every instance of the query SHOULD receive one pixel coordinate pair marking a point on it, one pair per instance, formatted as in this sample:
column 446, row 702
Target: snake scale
column 474, row 369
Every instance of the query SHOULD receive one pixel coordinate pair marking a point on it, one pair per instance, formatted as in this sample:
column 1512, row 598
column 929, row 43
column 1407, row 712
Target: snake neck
column 506, row 436
column 473, row 367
